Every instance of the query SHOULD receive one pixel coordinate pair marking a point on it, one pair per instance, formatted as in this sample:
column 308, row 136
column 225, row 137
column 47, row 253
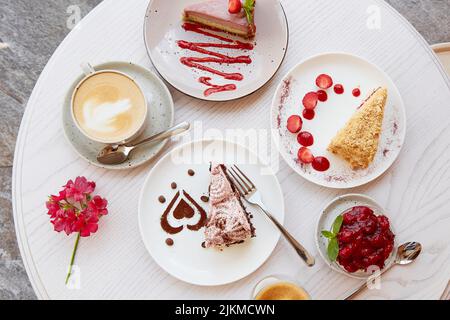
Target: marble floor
column 30, row 30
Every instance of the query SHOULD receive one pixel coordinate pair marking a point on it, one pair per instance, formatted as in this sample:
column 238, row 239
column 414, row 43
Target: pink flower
column 64, row 221
column 79, row 189
column 52, row 207
column 75, row 210
column 60, row 197
column 87, row 223
column 99, row 205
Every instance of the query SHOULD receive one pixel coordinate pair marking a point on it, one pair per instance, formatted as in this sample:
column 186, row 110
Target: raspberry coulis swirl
column 214, row 57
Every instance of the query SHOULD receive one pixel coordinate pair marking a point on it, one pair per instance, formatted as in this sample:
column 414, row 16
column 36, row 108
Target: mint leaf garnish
column 333, row 244
column 248, row 7
column 328, row 234
column 337, row 224
column 333, row 249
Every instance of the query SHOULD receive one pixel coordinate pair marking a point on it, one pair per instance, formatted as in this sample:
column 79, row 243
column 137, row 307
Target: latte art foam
column 103, row 117
column 109, row 107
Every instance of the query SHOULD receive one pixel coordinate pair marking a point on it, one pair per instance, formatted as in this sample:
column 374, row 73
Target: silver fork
column 251, row 194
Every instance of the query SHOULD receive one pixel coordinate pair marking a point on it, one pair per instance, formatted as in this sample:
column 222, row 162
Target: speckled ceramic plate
column 160, row 117
column 336, row 207
column 163, row 27
column 352, row 72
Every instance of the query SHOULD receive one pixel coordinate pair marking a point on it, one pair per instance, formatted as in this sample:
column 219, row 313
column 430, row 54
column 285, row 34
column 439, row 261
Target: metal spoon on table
column 406, row 254
column 118, row 153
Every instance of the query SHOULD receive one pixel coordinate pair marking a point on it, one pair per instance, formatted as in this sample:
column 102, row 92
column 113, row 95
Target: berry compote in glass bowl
column 364, row 239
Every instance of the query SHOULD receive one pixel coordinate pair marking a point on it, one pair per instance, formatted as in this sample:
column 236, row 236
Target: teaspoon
column 406, row 254
column 119, row 153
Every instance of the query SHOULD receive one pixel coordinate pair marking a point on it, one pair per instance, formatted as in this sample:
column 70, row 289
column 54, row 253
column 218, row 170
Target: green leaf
column 248, row 7
column 333, row 249
column 328, row 234
column 249, row 4
column 337, row 224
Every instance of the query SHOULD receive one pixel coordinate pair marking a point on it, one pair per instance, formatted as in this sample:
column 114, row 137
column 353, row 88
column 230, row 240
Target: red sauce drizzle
column 214, row 87
column 213, row 57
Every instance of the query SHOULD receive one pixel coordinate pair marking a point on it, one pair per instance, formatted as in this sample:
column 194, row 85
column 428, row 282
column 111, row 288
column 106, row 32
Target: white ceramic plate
column 187, row 260
column 351, row 72
column 162, row 28
column 336, row 207
column 160, row 117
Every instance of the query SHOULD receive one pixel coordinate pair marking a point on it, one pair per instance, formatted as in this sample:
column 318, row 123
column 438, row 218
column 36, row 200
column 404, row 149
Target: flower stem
column 73, row 257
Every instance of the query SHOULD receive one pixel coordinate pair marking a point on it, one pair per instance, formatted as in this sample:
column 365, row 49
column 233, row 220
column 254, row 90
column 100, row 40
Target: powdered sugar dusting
column 220, row 188
column 228, row 222
column 284, row 95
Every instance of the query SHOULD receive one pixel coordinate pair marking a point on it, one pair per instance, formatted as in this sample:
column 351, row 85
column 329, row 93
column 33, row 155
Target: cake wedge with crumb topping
column 357, row 142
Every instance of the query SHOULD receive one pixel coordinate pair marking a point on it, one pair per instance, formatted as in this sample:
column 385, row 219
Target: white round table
column 113, row 263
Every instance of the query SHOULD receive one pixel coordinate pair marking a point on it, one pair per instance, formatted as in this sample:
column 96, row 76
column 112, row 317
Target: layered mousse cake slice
column 228, row 221
column 357, row 142
column 216, row 14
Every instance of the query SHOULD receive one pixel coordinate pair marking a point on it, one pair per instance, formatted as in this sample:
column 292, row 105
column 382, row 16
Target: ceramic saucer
column 160, row 117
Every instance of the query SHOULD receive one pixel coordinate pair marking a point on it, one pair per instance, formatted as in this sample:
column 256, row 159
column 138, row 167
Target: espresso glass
column 274, row 280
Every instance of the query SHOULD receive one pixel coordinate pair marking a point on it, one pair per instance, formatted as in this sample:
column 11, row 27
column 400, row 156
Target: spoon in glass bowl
column 406, row 254
column 119, row 153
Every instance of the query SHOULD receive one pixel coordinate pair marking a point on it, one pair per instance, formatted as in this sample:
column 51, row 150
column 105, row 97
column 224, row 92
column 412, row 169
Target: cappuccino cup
column 108, row 106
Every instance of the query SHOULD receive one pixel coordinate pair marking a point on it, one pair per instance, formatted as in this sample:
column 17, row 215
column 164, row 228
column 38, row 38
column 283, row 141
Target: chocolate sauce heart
column 183, row 210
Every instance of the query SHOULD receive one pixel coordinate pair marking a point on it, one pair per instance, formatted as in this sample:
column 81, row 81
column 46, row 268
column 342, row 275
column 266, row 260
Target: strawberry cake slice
column 228, row 222
column 227, row 15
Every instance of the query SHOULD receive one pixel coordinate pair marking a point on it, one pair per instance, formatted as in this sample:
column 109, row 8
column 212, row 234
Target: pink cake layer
column 215, row 13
